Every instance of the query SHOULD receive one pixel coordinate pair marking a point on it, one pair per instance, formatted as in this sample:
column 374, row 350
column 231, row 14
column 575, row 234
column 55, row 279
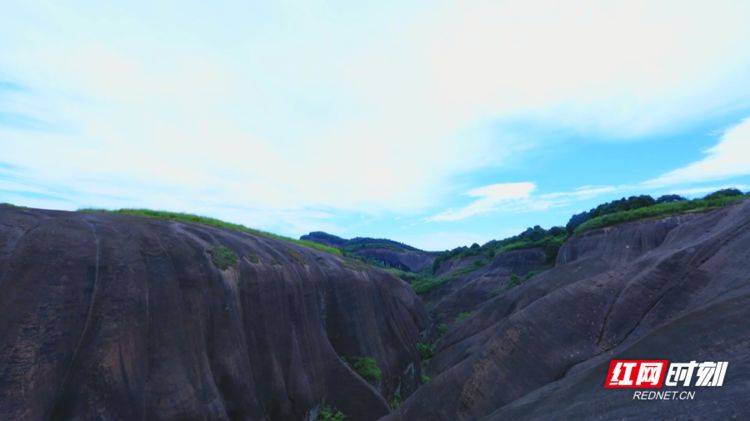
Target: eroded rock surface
column 119, row 317
column 676, row 288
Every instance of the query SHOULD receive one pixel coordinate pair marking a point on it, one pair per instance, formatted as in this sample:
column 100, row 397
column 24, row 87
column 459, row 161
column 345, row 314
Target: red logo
column 636, row 374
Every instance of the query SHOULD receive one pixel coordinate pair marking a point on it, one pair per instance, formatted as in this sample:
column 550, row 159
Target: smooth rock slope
column 675, row 288
column 108, row 316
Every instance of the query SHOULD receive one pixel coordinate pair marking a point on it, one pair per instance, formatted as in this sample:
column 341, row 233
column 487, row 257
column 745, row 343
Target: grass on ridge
column 205, row 220
column 661, row 209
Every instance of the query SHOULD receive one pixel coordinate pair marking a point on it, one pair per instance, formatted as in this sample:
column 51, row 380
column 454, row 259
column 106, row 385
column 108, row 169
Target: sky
column 438, row 124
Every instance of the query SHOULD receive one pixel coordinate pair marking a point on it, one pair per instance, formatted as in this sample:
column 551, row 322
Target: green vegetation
column 396, row 401
column 468, row 269
column 205, row 220
column 426, row 350
column 421, row 282
column 632, row 202
column 366, row 367
column 223, row 257
column 719, row 194
column 329, row 413
column 425, row 378
column 516, row 280
column 609, row 213
column 463, row 316
column 363, row 243
column 645, row 206
column 427, row 283
column 711, row 201
column 441, row 329
column 550, row 240
column 253, row 258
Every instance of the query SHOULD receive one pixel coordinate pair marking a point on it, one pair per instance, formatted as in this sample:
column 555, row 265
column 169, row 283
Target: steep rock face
column 676, row 288
column 408, row 260
column 468, row 290
column 119, row 317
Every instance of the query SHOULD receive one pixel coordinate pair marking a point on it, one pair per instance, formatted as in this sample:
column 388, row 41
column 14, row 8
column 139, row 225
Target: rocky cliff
column 675, row 288
column 119, row 317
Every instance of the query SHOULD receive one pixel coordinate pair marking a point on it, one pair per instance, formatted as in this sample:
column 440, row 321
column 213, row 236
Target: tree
column 668, row 198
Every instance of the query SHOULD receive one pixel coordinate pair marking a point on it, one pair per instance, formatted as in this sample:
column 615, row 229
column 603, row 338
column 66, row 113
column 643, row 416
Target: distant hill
column 379, row 251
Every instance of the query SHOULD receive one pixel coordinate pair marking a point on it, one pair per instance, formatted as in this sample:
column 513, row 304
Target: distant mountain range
column 379, row 251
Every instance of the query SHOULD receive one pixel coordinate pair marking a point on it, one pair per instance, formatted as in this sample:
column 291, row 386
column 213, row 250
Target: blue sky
column 433, row 123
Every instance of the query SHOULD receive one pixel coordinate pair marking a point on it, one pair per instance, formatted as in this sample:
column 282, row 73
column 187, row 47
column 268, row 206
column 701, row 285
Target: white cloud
column 620, row 69
column 356, row 109
column 518, row 198
column 488, row 199
column 728, row 158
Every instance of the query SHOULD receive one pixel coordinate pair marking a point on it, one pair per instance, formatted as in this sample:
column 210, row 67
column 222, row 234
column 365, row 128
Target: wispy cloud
column 730, row 157
column 487, row 199
column 519, row 198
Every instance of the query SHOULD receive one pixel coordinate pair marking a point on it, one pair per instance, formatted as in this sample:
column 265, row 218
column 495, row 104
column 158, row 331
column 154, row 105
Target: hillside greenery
column 670, row 203
column 657, row 210
column 550, row 240
column 205, row 220
column 421, row 282
column 362, row 243
column 610, row 213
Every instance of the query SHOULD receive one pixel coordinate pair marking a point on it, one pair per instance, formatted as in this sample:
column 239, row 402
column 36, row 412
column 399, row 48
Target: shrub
column 723, row 193
column 463, row 316
column 514, row 280
column 367, row 368
column 425, row 378
column 396, row 400
column 668, row 198
column 420, row 282
column 470, row 268
column 441, row 329
column 426, row 350
column 223, row 257
column 632, row 202
column 328, row 413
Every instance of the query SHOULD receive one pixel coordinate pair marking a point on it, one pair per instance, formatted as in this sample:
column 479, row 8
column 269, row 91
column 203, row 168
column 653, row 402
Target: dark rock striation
column 676, row 288
column 119, row 317
column 467, row 291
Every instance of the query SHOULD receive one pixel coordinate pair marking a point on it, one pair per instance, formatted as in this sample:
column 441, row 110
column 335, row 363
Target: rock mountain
column 106, row 316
